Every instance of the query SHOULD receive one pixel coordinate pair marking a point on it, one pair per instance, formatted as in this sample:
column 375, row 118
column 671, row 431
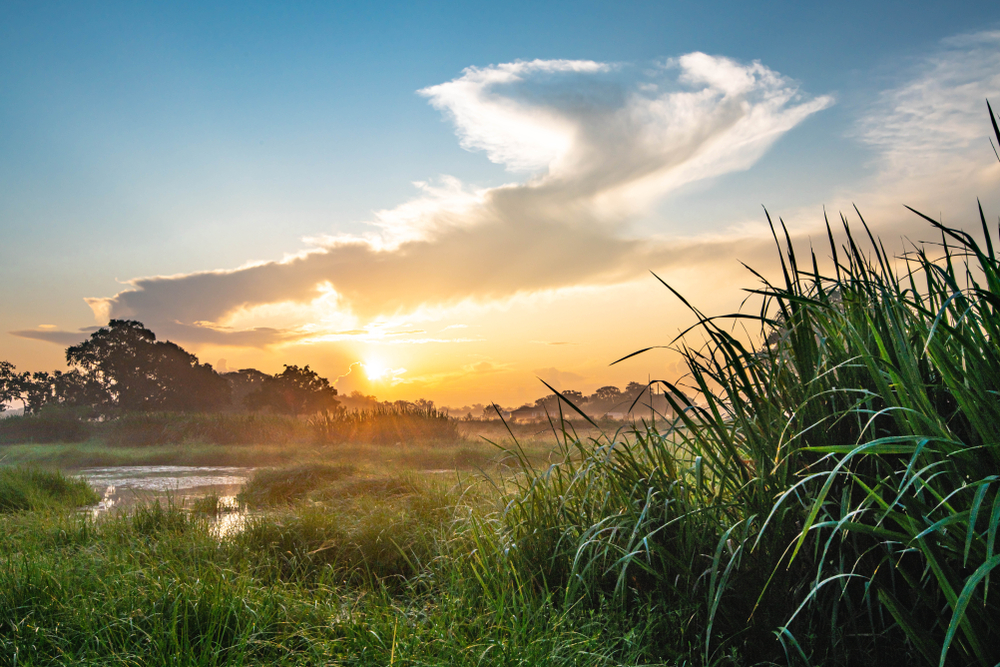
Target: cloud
column 560, row 380
column 931, row 133
column 940, row 113
column 49, row 335
column 601, row 143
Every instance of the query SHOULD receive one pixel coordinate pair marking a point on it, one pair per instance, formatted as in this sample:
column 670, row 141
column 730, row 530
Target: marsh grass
column 97, row 454
column 834, row 487
column 358, row 578
column 33, row 489
column 166, row 428
column 281, row 486
column 385, row 425
column 51, row 425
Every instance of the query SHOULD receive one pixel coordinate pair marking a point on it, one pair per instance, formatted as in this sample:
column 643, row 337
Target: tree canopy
column 294, row 391
column 139, row 373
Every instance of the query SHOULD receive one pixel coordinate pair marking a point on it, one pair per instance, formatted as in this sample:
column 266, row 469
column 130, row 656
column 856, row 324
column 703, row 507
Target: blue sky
column 168, row 139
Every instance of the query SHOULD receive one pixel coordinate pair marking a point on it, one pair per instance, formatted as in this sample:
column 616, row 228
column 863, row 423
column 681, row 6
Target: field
column 827, row 495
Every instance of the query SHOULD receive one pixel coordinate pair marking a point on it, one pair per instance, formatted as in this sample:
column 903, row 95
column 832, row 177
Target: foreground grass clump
column 34, row 489
column 834, row 488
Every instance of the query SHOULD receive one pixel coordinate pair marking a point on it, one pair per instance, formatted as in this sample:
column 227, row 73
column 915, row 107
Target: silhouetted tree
column 136, row 372
column 633, row 389
column 11, row 384
column 295, row 391
column 607, row 393
column 243, row 383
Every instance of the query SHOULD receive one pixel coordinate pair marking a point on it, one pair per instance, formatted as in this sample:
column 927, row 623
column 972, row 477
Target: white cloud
column 936, row 122
column 603, row 142
column 517, row 133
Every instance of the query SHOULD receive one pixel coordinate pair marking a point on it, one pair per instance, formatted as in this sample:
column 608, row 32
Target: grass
column 470, row 450
column 281, row 486
column 34, row 489
column 828, row 497
column 380, row 580
column 385, row 425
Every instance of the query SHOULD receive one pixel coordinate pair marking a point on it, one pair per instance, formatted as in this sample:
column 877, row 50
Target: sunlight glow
column 375, row 369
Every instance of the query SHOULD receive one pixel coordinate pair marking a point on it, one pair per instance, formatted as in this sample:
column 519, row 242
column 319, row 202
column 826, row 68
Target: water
column 121, row 487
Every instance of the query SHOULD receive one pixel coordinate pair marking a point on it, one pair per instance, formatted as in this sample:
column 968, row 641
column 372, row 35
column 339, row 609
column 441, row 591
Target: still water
column 120, row 487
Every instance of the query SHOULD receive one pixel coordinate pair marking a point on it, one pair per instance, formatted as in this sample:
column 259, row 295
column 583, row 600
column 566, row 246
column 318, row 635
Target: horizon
column 453, row 203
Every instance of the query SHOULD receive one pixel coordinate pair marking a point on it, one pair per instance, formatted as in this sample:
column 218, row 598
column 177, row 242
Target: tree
column 633, row 389
column 136, row 372
column 295, row 391
column 11, row 384
column 36, row 391
column 607, row 393
column 244, row 382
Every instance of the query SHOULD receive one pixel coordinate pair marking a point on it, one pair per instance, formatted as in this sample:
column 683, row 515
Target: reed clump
column 24, row 488
column 834, row 487
column 385, row 424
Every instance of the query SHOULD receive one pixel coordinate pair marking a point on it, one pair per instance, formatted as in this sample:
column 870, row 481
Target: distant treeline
column 122, row 368
column 637, row 400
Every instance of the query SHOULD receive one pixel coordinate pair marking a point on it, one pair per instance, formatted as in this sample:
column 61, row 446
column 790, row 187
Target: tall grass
column 171, row 428
column 50, row 425
column 362, row 579
column 836, row 486
column 385, row 425
column 828, row 495
column 33, row 489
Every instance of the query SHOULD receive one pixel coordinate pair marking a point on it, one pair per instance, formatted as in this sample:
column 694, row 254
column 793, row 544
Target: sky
column 454, row 200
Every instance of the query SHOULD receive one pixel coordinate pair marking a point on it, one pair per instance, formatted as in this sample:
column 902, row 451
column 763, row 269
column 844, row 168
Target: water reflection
column 123, row 486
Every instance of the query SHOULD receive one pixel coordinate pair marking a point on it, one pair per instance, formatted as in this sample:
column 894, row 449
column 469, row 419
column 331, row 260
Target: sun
column 375, row 369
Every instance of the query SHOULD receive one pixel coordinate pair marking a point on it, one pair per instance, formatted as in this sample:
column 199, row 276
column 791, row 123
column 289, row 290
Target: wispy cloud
column 931, row 132
column 600, row 144
column 52, row 335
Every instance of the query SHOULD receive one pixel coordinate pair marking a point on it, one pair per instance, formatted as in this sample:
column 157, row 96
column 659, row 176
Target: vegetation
column 277, row 486
column 827, row 497
column 122, row 369
column 386, row 424
column 34, row 489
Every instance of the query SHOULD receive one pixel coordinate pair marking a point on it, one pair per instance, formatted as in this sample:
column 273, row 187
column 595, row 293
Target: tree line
column 123, row 368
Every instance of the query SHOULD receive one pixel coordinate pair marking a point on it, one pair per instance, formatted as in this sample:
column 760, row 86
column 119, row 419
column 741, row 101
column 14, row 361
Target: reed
column 385, row 425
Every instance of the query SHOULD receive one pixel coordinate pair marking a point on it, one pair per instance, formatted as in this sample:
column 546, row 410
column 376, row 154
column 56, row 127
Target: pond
column 123, row 486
